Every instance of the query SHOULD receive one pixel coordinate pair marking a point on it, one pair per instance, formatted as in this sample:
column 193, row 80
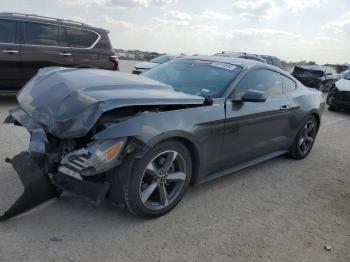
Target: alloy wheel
column 163, row 180
column 307, row 137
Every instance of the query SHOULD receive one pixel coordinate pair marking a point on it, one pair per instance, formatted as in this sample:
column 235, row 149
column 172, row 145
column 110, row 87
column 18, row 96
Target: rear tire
column 305, row 139
column 159, row 180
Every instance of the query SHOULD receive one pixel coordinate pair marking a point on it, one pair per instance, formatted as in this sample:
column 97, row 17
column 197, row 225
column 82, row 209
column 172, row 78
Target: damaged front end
column 66, row 117
column 51, row 166
column 310, row 77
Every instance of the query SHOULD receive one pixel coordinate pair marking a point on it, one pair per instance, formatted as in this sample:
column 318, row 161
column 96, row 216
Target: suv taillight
column 114, row 59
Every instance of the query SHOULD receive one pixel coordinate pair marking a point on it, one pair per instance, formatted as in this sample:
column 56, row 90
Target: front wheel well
column 318, row 120
column 193, row 152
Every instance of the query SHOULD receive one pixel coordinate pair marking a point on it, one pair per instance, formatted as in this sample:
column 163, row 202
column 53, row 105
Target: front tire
column 305, row 139
column 332, row 108
column 159, row 180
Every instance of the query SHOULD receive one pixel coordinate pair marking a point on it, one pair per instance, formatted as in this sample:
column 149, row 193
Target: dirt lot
column 281, row 210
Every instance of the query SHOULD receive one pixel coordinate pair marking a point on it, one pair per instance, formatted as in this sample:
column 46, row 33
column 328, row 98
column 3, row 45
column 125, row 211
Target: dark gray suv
column 31, row 42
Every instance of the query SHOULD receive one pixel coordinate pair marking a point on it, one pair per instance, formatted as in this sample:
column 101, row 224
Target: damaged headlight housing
column 97, row 157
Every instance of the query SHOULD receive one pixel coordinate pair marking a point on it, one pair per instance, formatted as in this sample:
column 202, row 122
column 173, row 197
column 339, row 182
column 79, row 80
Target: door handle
column 285, row 108
column 7, row 51
column 65, row 54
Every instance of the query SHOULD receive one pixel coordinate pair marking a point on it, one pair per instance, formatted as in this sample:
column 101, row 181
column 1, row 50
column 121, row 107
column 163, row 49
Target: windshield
column 205, row 78
column 347, row 76
column 162, row 59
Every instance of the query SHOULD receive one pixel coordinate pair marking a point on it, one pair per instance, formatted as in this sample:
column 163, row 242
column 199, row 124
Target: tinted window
column 104, row 43
column 7, row 31
column 289, row 84
column 199, row 77
column 262, row 80
column 63, row 37
column 41, row 34
column 80, row 38
column 347, row 76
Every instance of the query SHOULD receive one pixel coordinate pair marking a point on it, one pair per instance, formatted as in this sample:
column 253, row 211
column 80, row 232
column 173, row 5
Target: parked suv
column 31, row 42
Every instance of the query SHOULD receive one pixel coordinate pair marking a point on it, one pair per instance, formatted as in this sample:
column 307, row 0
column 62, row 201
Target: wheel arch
column 318, row 118
column 189, row 142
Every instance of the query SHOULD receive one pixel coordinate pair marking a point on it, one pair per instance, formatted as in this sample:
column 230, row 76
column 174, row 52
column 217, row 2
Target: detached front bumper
column 34, row 170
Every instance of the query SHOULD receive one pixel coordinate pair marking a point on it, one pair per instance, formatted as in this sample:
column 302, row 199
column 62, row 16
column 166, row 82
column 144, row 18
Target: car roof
column 246, row 63
column 50, row 20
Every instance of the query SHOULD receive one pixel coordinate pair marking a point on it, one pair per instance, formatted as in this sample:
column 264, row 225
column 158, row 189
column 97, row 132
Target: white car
column 145, row 66
column 344, row 73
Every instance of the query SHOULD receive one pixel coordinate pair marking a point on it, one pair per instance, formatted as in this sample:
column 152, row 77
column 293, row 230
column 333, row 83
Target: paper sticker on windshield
column 224, row 66
column 205, row 90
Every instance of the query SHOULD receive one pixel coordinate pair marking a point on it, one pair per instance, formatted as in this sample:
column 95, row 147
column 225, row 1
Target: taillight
column 114, row 59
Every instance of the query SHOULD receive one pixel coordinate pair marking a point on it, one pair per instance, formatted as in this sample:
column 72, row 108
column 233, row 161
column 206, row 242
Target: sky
column 293, row 30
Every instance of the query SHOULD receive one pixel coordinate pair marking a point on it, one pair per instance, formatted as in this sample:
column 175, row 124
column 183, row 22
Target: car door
column 10, row 55
column 253, row 129
column 41, row 48
column 82, row 42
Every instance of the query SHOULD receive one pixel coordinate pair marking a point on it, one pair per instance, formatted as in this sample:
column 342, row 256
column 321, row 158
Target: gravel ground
column 280, row 210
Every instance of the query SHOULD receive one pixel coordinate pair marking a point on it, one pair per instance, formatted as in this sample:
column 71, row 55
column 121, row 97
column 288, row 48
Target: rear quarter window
column 289, row 85
column 104, row 43
column 262, row 80
column 41, row 34
column 8, row 31
column 80, row 38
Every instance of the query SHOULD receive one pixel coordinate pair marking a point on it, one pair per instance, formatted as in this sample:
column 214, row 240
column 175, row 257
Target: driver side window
column 262, row 80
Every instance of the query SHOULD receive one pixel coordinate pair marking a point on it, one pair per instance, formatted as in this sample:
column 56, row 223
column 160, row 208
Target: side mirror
column 253, row 96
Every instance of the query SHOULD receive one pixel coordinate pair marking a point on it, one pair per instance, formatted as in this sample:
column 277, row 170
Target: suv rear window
column 40, row 34
column 8, row 31
column 80, row 38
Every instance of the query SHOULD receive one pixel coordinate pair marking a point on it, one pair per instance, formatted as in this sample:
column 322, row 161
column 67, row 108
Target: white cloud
column 296, row 5
column 212, row 15
column 178, row 15
column 182, row 36
column 264, row 9
column 120, row 4
column 340, row 27
column 256, row 9
column 114, row 23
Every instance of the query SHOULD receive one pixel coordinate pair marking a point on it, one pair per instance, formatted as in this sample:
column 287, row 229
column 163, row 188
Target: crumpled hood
column 68, row 102
column 343, row 85
column 145, row 65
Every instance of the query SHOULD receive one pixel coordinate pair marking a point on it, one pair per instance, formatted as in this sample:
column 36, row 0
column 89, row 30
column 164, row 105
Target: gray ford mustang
column 140, row 141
